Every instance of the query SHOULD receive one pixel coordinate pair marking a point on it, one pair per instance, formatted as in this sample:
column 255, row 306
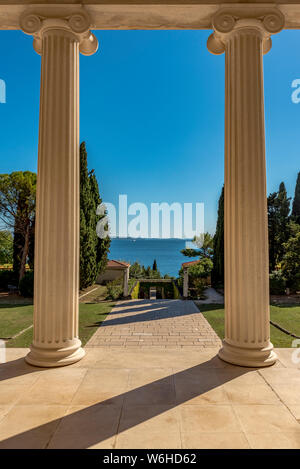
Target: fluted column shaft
column 247, row 327
column 56, row 277
column 246, row 225
column 57, row 214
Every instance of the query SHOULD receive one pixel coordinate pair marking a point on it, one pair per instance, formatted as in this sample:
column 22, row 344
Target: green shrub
column 295, row 285
column 201, row 270
column 26, row 285
column 277, row 283
column 135, row 291
column 7, row 277
column 199, row 286
column 114, row 289
column 176, row 292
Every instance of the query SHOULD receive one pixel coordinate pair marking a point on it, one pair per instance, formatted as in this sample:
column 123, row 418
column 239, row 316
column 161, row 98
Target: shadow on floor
column 17, row 368
column 158, row 309
column 93, row 424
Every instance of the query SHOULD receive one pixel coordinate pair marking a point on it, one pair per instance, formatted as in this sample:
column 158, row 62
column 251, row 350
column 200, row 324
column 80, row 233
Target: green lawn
column 91, row 316
column 285, row 316
column 15, row 318
column 96, row 293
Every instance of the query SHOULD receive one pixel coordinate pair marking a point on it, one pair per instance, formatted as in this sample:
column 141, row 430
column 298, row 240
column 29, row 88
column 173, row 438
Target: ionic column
column 247, row 327
column 59, row 41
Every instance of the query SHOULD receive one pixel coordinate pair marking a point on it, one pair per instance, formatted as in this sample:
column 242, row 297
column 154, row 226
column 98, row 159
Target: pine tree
column 17, row 212
column 204, row 247
column 218, row 257
column 296, row 202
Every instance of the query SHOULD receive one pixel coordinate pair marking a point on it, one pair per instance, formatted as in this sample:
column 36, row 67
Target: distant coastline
column 145, row 250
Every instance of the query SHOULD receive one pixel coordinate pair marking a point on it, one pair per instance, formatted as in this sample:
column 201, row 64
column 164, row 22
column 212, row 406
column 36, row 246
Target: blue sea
column 165, row 251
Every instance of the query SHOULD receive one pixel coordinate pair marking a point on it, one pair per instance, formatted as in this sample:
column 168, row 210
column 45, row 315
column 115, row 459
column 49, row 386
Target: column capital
column 229, row 21
column 78, row 24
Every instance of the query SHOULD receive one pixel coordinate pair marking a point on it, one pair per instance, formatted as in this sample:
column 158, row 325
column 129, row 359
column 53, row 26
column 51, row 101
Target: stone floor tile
column 11, row 393
column 242, row 393
column 150, row 386
column 285, row 357
column 151, row 426
column 87, row 427
column 216, row 441
column 289, row 394
column 102, row 386
column 199, row 386
column 58, row 386
column 287, row 376
column 30, row 427
column 274, row 440
column 266, row 419
column 295, row 411
column 18, row 372
column 4, row 409
column 197, row 419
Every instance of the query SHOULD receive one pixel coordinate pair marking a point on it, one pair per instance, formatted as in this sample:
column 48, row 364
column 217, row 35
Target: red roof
column 188, row 264
column 116, row 264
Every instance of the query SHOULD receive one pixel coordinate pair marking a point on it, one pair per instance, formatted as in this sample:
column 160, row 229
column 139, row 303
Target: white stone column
column 56, row 274
column 185, row 283
column 247, row 327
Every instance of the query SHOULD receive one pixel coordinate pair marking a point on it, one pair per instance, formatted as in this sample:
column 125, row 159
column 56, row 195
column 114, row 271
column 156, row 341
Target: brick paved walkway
column 155, row 324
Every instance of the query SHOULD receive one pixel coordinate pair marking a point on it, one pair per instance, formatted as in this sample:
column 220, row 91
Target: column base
column 52, row 357
column 250, row 357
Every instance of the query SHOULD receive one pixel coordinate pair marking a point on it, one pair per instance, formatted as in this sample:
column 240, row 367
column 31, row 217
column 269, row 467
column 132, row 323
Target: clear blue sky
column 152, row 114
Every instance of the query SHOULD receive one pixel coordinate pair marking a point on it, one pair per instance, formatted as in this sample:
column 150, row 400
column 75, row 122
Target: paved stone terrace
column 155, row 323
column 168, row 395
column 118, row 398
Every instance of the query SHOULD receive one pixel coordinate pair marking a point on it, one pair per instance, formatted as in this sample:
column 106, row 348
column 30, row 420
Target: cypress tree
column 296, row 202
column 272, row 229
column 93, row 251
column 278, row 224
column 154, row 268
column 87, row 236
column 218, row 256
column 102, row 245
column 283, row 223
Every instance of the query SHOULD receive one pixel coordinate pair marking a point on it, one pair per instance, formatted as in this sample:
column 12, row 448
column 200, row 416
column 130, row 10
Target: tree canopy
column 202, row 269
column 291, row 258
column 138, row 271
column 17, row 212
column 6, row 247
column 204, row 247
